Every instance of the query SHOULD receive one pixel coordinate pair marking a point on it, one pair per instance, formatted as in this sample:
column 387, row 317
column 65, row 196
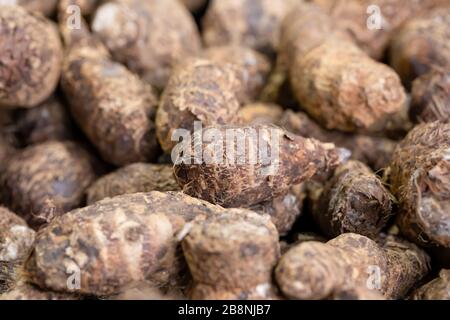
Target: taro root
column 134, row 178
column 283, row 210
column 6, row 151
column 198, row 90
column 149, row 37
column 16, row 238
column 194, row 5
column 26, row 291
column 231, row 254
column 116, row 243
column 431, row 96
column 46, row 7
column 422, row 44
column 87, row 7
column 30, row 57
column 46, row 180
column 254, row 23
column 436, row 289
column 48, row 121
column 344, row 89
column 372, row 23
column 353, row 200
column 112, row 106
column 261, row 113
column 254, row 67
column 247, row 165
column 264, row 291
column 315, row 270
column 419, row 179
column 373, row 151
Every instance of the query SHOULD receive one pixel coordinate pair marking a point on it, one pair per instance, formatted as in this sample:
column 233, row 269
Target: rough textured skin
column 250, row 176
column 30, row 57
column 354, row 15
column 343, row 88
column 6, row 151
column 46, row 7
column 48, row 121
column 87, row 7
column 421, row 44
column 263, row 291
column 419, row 178
column 252, row 23
column 376, row 152
column 134, row 178
column 314, row 270
column 116, row 242
column 46, row 180
column 149, row 37
column 194, row 5
column 254, row 67
column 112, row 106
column 261, row 113
column 357, row 293
column 353, row 200
column 16, row 239
column 431, row 96
column 436, row 289
column 198, row 90
column 26, row 291
column 236, row 249
column 283, row 210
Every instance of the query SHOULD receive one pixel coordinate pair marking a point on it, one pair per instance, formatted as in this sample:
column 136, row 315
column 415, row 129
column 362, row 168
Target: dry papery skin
column 134, row 178
column 30, row 57
column 353, row 200
column 112, row 106
column 116, row 243
column 419, row 178
column 194, row 5
column 198, row 90
column 46, row 7
column 255, row 23
column 315, row 270
column 431, row 96
column 46, row 180
column 436, row 289
column 283, row 210
column 376, row 152
column 353, row 16
column 149, row 37
column 230, row 179
column 231, row 252
column 16, row 238
column 422, row 44
column 342, row 88
column 261, row 113
column 48, row 121
column 253, row 66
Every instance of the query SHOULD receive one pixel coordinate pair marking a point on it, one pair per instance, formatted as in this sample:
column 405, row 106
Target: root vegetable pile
column 224, row 149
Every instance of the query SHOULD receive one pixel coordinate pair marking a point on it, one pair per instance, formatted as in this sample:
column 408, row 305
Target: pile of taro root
column 104, row 106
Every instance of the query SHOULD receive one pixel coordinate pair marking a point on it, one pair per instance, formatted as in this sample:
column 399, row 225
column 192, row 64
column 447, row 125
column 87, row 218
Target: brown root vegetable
column 254, row 67
column 283, row 210
column 422, row 44
column 47, row 180
column 26, row 291
column 261, row 113
column 232, row 251
column 419, row 179
column 48, row 121
column 30, row 57
column 149, row 37
column 344, row 89
column 255, row 23
column 16, row 238
column 86, row 7
column 116, row 243
column 46, row 7
column 198, row 90
column 145, row 291
column 376, row 152
column 112, row 106
column 6, row 151
column 436, row 289
column 314, row 270
column 431, row 96
column 372, row 23
column 263, row 291
column 357, row 293
column 194, row 5
column 241, row 166
column 353, row 200
column 134, row 178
